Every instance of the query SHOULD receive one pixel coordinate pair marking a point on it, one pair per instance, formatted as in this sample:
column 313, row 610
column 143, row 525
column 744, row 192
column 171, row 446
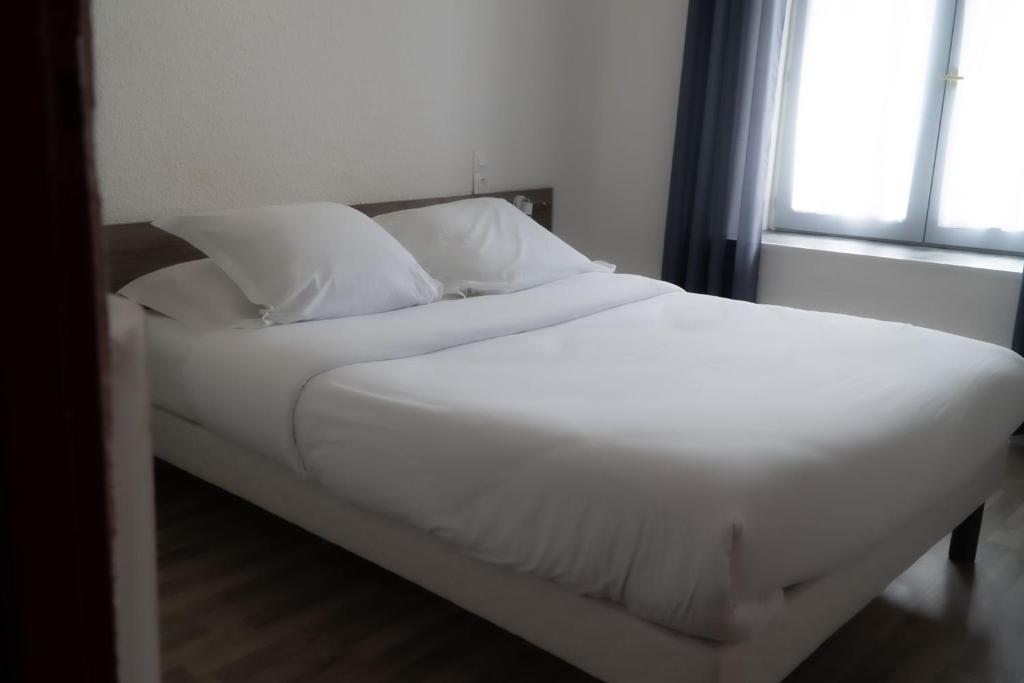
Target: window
column 903, row 120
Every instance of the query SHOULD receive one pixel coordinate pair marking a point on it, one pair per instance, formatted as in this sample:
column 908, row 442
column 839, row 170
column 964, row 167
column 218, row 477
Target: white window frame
column 920, row 226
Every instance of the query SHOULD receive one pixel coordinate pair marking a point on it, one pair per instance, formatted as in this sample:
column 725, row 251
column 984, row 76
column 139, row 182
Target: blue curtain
column 1018, row 334
column 720, row 170
column 1018, row 328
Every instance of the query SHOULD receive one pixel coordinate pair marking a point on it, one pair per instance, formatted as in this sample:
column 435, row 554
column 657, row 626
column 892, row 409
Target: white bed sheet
column 169, row 346
column 684, row 456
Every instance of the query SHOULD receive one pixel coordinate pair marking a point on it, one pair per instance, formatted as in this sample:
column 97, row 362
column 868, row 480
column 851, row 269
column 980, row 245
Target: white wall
column 634, row 115
column 205, row 105
column 973, row 302
column 217, row 104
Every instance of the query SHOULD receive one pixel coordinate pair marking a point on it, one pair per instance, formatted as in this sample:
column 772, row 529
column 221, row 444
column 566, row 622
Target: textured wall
column 642, row 55
column 205, row 104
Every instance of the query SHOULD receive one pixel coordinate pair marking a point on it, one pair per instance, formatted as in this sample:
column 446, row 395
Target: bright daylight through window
column 904, row 120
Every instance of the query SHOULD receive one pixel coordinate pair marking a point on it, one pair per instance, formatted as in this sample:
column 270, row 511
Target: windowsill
column 901, row 252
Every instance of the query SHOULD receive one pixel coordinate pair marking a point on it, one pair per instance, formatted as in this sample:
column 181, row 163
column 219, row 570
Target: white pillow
column 308, row 261
column 485, row 246
column 197, row 294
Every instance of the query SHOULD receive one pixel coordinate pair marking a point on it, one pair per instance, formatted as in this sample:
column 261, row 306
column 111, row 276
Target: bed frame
column 594, row 635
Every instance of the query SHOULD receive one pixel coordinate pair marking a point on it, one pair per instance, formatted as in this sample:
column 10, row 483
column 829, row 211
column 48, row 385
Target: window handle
column 952, row 77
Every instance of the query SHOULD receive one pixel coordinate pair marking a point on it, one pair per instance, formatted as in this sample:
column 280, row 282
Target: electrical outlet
column 480, row 182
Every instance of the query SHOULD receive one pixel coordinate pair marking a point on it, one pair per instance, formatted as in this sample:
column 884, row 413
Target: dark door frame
column 55, row 566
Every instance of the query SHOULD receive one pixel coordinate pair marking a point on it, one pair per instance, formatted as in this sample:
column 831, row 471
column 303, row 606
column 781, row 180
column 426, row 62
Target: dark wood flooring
column 245, row 596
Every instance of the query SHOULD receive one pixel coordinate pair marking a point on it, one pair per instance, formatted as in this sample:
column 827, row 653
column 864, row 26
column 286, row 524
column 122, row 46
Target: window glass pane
column 859, row 109
column 983, row 178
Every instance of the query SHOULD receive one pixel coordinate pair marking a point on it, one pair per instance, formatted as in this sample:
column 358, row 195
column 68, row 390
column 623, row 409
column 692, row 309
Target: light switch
column 480, row 185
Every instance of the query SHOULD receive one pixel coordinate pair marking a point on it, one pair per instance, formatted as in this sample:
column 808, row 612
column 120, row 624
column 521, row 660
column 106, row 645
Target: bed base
column 963, row 543
column 597, row 636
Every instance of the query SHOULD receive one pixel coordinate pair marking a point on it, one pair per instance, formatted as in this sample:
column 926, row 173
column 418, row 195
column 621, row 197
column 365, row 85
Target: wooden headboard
column 134, row 249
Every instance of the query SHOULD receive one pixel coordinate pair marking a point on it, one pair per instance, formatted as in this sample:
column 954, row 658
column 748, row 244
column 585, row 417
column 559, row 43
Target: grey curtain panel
column 720, row 168
column 1018, row 328
column 1018, row 333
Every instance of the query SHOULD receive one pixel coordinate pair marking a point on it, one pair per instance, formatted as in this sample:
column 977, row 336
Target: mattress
column 684, row 456
column 169, row 344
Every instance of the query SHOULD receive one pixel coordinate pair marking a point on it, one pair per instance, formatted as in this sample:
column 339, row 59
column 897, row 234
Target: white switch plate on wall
column 480, row 184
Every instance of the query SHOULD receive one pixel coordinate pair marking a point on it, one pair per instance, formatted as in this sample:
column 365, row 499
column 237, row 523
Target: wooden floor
column 245, row 596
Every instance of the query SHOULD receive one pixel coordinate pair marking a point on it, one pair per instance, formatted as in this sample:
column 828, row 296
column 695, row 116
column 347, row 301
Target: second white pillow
column 485, row 246
column 308, row 261
column 197, row 294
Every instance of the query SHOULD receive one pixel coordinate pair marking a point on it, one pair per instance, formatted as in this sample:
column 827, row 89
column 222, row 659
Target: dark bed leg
column 963, row 544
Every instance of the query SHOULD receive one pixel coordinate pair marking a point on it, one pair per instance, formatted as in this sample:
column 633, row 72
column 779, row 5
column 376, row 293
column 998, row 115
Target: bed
column 652, row 485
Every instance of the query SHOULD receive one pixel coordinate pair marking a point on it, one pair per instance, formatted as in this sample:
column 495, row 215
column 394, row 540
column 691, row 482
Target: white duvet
column 684, row 456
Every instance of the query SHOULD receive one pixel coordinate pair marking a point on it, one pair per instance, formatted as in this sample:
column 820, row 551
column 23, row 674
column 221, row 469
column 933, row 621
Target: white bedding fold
column 685, row 456
column 245, row 383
